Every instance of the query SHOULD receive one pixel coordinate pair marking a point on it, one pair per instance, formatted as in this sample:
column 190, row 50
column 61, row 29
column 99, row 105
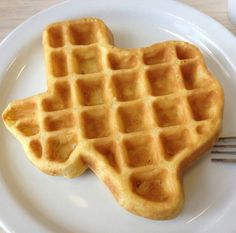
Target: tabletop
column 13, row 12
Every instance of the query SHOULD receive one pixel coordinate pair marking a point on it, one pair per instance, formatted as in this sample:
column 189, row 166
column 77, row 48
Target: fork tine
column 223, row 152
column 228, row 146
column 223, row 146
column 226, row 138
column 223, row 160
column 224, row 143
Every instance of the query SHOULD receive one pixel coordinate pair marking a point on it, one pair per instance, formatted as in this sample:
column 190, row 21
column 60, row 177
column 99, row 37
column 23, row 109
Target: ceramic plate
column 31, row 201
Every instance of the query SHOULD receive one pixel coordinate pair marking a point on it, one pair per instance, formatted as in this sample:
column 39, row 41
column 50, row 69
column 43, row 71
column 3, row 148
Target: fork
column 227, row 146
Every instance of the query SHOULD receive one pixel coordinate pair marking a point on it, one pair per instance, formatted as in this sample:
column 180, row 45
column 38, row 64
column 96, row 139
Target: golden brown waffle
column 138, row 118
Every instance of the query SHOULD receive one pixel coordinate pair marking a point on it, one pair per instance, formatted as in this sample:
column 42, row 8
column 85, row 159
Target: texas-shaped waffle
column 137, row 117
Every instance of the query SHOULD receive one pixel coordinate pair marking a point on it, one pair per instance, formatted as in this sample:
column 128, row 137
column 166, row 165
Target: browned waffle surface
column 138, row 118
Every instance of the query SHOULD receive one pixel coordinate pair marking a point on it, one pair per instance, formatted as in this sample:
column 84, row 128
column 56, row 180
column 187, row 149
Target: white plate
column 33, row 202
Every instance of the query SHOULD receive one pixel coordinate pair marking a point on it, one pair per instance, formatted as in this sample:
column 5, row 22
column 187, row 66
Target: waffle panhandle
column 137, row 117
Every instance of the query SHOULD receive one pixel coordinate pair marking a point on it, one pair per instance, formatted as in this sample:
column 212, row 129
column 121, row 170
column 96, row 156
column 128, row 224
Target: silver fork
column 226, row 146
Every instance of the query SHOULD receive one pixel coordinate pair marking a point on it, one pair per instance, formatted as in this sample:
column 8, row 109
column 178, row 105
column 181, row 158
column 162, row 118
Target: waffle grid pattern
column 138, row 109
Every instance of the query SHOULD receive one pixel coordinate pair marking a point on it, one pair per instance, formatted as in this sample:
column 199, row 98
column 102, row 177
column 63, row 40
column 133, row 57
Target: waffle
column 137, row 117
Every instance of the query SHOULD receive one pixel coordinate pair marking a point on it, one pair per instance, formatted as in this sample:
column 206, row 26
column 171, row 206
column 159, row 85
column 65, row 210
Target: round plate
column 34, row 202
